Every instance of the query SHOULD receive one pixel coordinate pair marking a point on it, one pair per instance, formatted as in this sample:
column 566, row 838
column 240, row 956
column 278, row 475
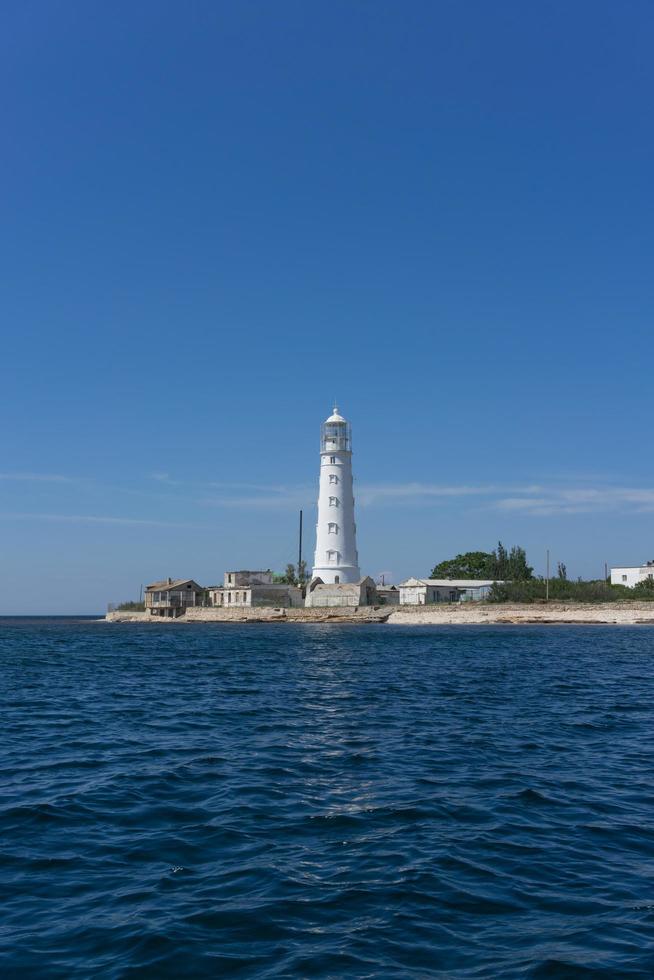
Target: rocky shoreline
column 471, row 614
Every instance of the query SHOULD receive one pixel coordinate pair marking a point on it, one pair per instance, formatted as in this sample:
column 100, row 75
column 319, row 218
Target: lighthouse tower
column 336, row 559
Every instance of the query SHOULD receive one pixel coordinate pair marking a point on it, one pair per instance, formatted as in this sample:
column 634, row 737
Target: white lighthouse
column 336, row 559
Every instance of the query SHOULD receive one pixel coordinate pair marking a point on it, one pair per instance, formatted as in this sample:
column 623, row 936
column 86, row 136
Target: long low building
column 247, row 589
column 425, row 591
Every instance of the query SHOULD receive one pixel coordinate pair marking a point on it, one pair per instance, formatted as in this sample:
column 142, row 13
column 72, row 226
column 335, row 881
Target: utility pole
column 547, row 580
column 299, row 551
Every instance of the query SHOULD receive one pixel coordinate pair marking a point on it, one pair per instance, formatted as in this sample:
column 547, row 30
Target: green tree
column 500, row 565
column 562, row 572
column 517, row 568
column 472, row 564
column 510, row 566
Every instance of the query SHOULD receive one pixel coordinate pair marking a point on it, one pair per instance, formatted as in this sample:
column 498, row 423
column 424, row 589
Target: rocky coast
column 468, row 613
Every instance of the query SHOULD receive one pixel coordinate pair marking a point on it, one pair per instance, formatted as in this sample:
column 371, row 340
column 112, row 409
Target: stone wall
column 254, row 614
column 482, row 613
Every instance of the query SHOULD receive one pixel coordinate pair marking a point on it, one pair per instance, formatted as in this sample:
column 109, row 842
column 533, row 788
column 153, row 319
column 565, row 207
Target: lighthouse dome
column 335, row 417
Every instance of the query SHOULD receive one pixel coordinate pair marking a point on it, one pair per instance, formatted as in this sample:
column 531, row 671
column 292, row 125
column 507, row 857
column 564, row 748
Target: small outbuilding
column 388, row 595
column 352, row 594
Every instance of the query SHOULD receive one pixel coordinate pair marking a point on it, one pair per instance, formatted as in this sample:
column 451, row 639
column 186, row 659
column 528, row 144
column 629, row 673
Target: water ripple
column 324, row 801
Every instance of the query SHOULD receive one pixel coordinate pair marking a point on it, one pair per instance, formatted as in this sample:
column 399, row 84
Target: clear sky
column 219, row 217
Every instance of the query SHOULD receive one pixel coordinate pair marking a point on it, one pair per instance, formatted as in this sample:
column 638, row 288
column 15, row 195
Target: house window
column 337, row 579
column 333, row 502
column 332, row 460
column 332, row 528
column 624, row 578
column 333, row 478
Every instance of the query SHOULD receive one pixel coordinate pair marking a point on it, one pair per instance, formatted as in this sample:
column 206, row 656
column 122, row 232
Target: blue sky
column 217, row 218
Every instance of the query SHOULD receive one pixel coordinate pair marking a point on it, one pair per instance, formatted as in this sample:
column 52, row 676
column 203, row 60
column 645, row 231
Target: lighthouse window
column 333, row 501
column 333, row 478
column 332, row 460
column 333, row 556
column 332, row 528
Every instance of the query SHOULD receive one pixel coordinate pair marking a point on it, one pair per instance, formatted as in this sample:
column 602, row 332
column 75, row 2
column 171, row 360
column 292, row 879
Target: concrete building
column 171, row 597
column 631, row 575
column 388, row 595
column 425, row 591
column 336, row 560
column 247, row 589
column 361, row 593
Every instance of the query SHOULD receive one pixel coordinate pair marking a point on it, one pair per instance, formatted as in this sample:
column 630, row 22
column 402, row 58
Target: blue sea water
column 325, row 801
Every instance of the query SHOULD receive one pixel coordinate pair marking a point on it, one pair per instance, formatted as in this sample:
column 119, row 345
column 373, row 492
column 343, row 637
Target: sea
column 318, row 800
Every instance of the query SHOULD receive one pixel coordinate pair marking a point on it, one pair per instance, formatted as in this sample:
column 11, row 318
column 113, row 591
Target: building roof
column 175, row 583
column 452, row 583
column 345, row 587
column 335, row 417
column 253, row 585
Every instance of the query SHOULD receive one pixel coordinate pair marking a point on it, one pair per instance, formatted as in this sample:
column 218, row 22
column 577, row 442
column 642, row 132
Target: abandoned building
column 245, row 589
column 171, row 597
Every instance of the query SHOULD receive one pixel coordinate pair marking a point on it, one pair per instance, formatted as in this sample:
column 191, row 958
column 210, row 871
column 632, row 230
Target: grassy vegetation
column 563, row 590
column 131, row 607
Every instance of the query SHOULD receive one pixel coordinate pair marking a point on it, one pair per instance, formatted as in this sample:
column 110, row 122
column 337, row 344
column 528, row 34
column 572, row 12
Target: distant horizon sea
column 320, row 800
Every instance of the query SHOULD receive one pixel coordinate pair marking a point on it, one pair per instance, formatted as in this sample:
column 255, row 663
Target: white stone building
column 246, row 589
column 631, row 575
column 336, row 560
column 425, row 591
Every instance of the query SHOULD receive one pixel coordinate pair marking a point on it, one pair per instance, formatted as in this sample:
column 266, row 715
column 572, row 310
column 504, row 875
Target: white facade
column 631, row 575
column 336, row 559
